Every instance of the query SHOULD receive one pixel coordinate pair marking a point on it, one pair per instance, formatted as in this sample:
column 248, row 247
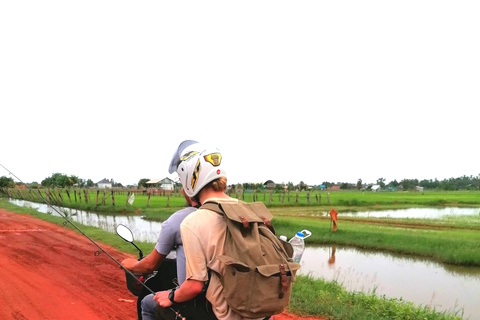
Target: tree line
column 58, row 180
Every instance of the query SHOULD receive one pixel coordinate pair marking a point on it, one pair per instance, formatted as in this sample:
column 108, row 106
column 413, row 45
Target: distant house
column 419, row 189
column 164, row 184
column 104, row 184
column 323, row 187
column 167, row 184
column 375, row 188
column 334, row 188
column 269, row 184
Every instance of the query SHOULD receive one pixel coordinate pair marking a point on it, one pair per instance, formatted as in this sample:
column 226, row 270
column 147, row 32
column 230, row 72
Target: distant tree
column 359, row 184
column 90, row 183
column 33, row 184
column 143, row 182
column 59, row 180
column 7, row 182
column 393, row 183
column 409, row 184
column 381, row 182
column 302, row 186
column 344, row 186
column 290, row 186
column 328, row 184
column 280, row 187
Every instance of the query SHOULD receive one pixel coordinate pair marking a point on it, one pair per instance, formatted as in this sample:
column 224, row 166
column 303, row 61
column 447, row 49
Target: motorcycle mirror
column 125, row 233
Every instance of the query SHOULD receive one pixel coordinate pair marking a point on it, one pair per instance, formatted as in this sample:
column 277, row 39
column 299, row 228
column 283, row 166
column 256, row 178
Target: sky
column 288, row 91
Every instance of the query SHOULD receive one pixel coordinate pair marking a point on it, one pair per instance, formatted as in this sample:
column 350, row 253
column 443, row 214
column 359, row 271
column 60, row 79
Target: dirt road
column 50, row 272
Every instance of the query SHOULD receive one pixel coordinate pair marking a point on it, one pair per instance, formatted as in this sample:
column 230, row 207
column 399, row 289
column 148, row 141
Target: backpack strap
column 243, row 212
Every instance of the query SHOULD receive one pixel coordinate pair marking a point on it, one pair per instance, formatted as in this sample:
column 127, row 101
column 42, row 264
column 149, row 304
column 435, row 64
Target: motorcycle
column 140, row 285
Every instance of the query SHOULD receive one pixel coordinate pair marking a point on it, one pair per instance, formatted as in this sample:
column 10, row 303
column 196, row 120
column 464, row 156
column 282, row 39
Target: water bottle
column 298, row 244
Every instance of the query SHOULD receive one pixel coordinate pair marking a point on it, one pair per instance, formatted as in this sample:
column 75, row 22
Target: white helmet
column 176, row 156
column 198, row 165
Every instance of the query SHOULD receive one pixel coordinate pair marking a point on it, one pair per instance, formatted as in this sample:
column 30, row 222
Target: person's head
column 189, row 201
column 200, row 167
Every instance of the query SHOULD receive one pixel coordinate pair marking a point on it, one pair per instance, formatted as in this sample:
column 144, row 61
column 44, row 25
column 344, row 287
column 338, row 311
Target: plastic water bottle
column 298, row 244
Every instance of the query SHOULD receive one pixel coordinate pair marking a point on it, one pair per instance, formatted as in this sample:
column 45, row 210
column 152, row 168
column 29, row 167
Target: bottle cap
column 299, row 234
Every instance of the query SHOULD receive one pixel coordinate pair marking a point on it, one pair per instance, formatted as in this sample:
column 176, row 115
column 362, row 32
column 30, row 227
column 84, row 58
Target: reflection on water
column 421, row 213
column 397, row 276
column 444, row 287
column 143, row 230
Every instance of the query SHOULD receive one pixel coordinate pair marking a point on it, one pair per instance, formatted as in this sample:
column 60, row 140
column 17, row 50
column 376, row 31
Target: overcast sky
column 290, row 91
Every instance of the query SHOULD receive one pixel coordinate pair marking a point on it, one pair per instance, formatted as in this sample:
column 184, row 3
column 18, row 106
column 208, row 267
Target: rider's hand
column 129, row 263
column 162, row 299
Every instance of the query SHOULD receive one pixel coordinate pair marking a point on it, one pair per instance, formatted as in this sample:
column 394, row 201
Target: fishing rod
column 64, row 216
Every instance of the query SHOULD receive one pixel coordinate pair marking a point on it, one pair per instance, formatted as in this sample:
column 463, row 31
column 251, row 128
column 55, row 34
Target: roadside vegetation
column 453, row 240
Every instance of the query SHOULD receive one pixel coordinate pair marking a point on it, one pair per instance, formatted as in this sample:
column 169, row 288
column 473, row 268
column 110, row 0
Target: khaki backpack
column 259, row 271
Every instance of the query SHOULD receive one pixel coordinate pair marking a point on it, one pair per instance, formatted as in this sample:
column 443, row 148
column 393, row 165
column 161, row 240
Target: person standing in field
column 203, row 233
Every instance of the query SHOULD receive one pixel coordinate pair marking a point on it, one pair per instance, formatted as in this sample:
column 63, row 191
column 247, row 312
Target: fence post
column 113, row 198
column 328, row 197
column 148, row 201
column 96, row 199
column 296, row 198
column 168, row 201
column 86, row 197
column 128, row 196
column 68, row 194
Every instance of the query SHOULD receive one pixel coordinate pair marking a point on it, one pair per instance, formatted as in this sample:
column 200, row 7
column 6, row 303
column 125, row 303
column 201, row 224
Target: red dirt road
column 50, row 272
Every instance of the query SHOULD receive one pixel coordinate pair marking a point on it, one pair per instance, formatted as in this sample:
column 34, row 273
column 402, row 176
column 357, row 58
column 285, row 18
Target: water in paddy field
column 440, row 286
column 421, row 213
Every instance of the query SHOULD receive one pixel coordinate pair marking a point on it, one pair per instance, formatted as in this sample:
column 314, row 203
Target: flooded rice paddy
column 440, row 286
column 416, row 213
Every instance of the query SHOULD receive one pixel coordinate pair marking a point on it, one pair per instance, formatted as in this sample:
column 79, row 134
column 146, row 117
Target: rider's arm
column 187, row 291
column 147, row 265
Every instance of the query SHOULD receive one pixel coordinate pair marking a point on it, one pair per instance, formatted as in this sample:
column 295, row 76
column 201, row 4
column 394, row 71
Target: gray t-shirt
column 170, row 239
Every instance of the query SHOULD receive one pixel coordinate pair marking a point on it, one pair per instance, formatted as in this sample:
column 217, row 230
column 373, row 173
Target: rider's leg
column 148, row 307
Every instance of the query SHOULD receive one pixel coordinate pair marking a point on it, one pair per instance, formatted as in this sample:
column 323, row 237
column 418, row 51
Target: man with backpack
column 228, row 248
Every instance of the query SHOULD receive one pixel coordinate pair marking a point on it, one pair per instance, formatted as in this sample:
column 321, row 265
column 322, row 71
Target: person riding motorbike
column 203, row 233
column 169, row 239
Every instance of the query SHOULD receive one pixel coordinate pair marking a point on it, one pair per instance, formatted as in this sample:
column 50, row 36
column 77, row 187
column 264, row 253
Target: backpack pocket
column 258, row 292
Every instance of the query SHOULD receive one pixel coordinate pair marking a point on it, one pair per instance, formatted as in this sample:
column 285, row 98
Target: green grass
column 453, row 246
column 312, row 297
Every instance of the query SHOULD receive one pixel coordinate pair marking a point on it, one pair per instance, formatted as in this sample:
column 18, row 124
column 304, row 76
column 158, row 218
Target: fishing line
column 81, row 232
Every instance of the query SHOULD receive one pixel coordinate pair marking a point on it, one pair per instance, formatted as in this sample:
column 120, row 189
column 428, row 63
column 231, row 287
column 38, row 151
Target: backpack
column 259, row 271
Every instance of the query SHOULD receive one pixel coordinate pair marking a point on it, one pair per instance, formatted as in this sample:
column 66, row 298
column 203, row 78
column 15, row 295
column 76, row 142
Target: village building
column 104, row 184
column 269, row 184
column 165, row 184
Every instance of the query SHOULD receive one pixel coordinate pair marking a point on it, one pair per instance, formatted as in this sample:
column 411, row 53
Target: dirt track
column 50, row 272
